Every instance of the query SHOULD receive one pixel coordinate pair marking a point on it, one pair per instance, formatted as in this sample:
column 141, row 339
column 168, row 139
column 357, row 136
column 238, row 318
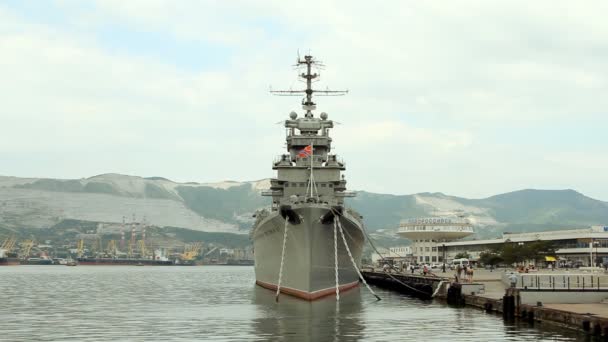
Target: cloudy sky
column 469, row 98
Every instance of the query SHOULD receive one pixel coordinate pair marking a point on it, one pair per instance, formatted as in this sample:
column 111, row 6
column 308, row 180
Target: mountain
column 217, row 207
column 227, row 207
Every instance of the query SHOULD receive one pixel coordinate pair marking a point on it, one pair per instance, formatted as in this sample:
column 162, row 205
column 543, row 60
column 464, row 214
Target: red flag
column 305, row 152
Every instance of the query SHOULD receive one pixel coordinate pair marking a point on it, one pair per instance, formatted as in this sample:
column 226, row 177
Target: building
column 579, row 246
column 398, row 255
column 429, row 235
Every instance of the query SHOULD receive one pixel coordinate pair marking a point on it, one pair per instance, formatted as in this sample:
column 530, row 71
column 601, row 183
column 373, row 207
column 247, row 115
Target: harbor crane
column 9, row 244
column 191, row 251
column 26, row 248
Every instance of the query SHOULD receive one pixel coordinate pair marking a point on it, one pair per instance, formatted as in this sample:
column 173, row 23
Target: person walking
column 458, row 273
column 470, row 273
column 425, row 270
column 513, row 280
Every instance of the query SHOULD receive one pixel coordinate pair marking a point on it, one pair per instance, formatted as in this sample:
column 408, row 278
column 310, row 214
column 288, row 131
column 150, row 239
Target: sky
column 468, row 98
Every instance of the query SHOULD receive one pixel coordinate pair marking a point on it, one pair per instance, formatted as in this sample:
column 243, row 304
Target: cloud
column 444, row 95
column 385, row 133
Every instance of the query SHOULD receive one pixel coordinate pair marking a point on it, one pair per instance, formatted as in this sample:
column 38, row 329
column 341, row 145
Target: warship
column 308, row 243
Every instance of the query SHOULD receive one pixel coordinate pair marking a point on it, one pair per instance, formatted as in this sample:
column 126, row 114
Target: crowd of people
column 463, row 274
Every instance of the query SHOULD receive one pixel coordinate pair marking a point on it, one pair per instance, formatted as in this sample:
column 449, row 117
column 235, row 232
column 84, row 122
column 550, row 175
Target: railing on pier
column 562, row 282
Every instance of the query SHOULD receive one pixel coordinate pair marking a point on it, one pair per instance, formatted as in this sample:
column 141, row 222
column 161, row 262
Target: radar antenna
column 308, row 76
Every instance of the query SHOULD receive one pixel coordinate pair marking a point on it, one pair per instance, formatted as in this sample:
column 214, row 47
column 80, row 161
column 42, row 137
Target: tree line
column 515, row 253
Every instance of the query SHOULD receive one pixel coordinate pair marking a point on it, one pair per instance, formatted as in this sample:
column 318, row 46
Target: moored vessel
column 123, row 262
column 36, row 261
column 308, row 242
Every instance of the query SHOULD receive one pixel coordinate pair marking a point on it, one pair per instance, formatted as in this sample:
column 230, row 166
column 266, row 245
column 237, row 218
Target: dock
column 555, row 298
column 413, row 284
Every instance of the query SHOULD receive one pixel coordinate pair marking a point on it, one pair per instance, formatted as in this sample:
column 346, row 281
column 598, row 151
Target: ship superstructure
column 296, row 244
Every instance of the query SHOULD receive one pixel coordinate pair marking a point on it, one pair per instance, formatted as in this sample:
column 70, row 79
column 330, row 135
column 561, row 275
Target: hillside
column 227, row 207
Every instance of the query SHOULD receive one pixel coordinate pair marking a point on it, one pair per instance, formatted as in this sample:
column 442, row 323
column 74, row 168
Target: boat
column 7, row 258
column 123, row 262
column 36, row 261
column 297, row 241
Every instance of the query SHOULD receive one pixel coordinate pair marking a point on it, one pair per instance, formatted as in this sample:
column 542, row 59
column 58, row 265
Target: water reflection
column 322, row 320
column 99, row 303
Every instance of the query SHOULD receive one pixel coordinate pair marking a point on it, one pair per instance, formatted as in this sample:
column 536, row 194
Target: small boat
column 71, row 262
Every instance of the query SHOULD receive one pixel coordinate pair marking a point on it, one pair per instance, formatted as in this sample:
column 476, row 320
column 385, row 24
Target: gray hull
column 309, row 264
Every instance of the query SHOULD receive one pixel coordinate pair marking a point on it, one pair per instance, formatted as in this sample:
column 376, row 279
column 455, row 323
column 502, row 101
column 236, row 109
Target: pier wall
column 562, row 297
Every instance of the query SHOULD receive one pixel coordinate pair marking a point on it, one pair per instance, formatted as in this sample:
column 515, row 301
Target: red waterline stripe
column 305, row 294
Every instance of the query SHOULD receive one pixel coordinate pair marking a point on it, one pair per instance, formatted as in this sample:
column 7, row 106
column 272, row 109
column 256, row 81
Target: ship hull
column 309, row 263
column 9, row 261
column 36, row 262
column 123, row 262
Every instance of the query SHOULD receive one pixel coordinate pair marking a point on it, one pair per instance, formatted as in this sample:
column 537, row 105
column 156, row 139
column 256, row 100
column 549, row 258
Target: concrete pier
column 584, row 310
column 413, row 284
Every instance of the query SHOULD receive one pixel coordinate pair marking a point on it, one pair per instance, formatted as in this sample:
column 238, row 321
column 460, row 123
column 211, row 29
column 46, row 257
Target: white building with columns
column 430, row 234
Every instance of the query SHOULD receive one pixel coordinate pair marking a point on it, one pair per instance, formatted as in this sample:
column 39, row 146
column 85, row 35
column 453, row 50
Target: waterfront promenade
column 573, row 298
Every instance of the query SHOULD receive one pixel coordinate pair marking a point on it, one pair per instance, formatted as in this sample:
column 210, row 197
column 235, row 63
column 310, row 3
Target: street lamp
column 597, row 258
column 521, row 244
column 443, row 250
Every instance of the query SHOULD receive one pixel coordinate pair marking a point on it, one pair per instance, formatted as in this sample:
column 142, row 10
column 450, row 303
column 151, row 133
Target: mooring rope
column 438, row 288
column 282, row 260
column 336, row 261
column 390, row 275
column 337, row 222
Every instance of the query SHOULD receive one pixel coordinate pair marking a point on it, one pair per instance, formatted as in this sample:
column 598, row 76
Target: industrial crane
column 191, row 251
column 9, row 244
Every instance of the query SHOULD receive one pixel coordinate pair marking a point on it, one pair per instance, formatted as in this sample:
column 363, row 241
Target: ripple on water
column 104, row 303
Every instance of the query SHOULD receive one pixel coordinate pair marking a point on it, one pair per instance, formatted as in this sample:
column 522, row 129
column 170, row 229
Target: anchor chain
column 282, row 261
column 336, row 218
column 336, row 260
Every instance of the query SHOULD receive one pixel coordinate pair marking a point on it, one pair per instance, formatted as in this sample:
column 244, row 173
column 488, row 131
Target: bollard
column 597, row 329
column 455, row 295
column 508, row 306
column 586, row 325
column 531, row 316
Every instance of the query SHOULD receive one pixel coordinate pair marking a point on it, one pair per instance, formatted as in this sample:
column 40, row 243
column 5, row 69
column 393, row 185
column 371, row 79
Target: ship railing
column 345, row 194
column 436, row 229
column 272, row 193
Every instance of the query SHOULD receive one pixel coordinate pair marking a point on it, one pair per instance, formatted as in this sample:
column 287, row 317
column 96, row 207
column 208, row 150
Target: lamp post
column 596, row 244
column 443, row 251
column 591, row 253
column 521, row 244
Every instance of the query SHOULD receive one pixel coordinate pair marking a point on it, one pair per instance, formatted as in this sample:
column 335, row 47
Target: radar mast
column 308, row 76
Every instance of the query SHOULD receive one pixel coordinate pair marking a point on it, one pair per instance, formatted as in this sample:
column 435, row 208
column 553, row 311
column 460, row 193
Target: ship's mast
column 307, row 104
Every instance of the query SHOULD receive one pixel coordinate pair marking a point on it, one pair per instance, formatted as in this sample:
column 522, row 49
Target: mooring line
column 337, row 219
column 438, row 288
column 336, row 261
column 282, row 260
column 390, row 275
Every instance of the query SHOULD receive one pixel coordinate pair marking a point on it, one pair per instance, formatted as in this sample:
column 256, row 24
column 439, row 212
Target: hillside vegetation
column 227, row 207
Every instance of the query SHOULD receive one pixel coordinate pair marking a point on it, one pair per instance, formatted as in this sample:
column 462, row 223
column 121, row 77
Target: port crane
column 80, row 248
column 191, row 251
column 111, row 248
column 26, row 248
column 9, row 244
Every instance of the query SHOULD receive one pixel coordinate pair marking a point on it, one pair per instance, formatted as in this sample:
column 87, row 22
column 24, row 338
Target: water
column 216, row 303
